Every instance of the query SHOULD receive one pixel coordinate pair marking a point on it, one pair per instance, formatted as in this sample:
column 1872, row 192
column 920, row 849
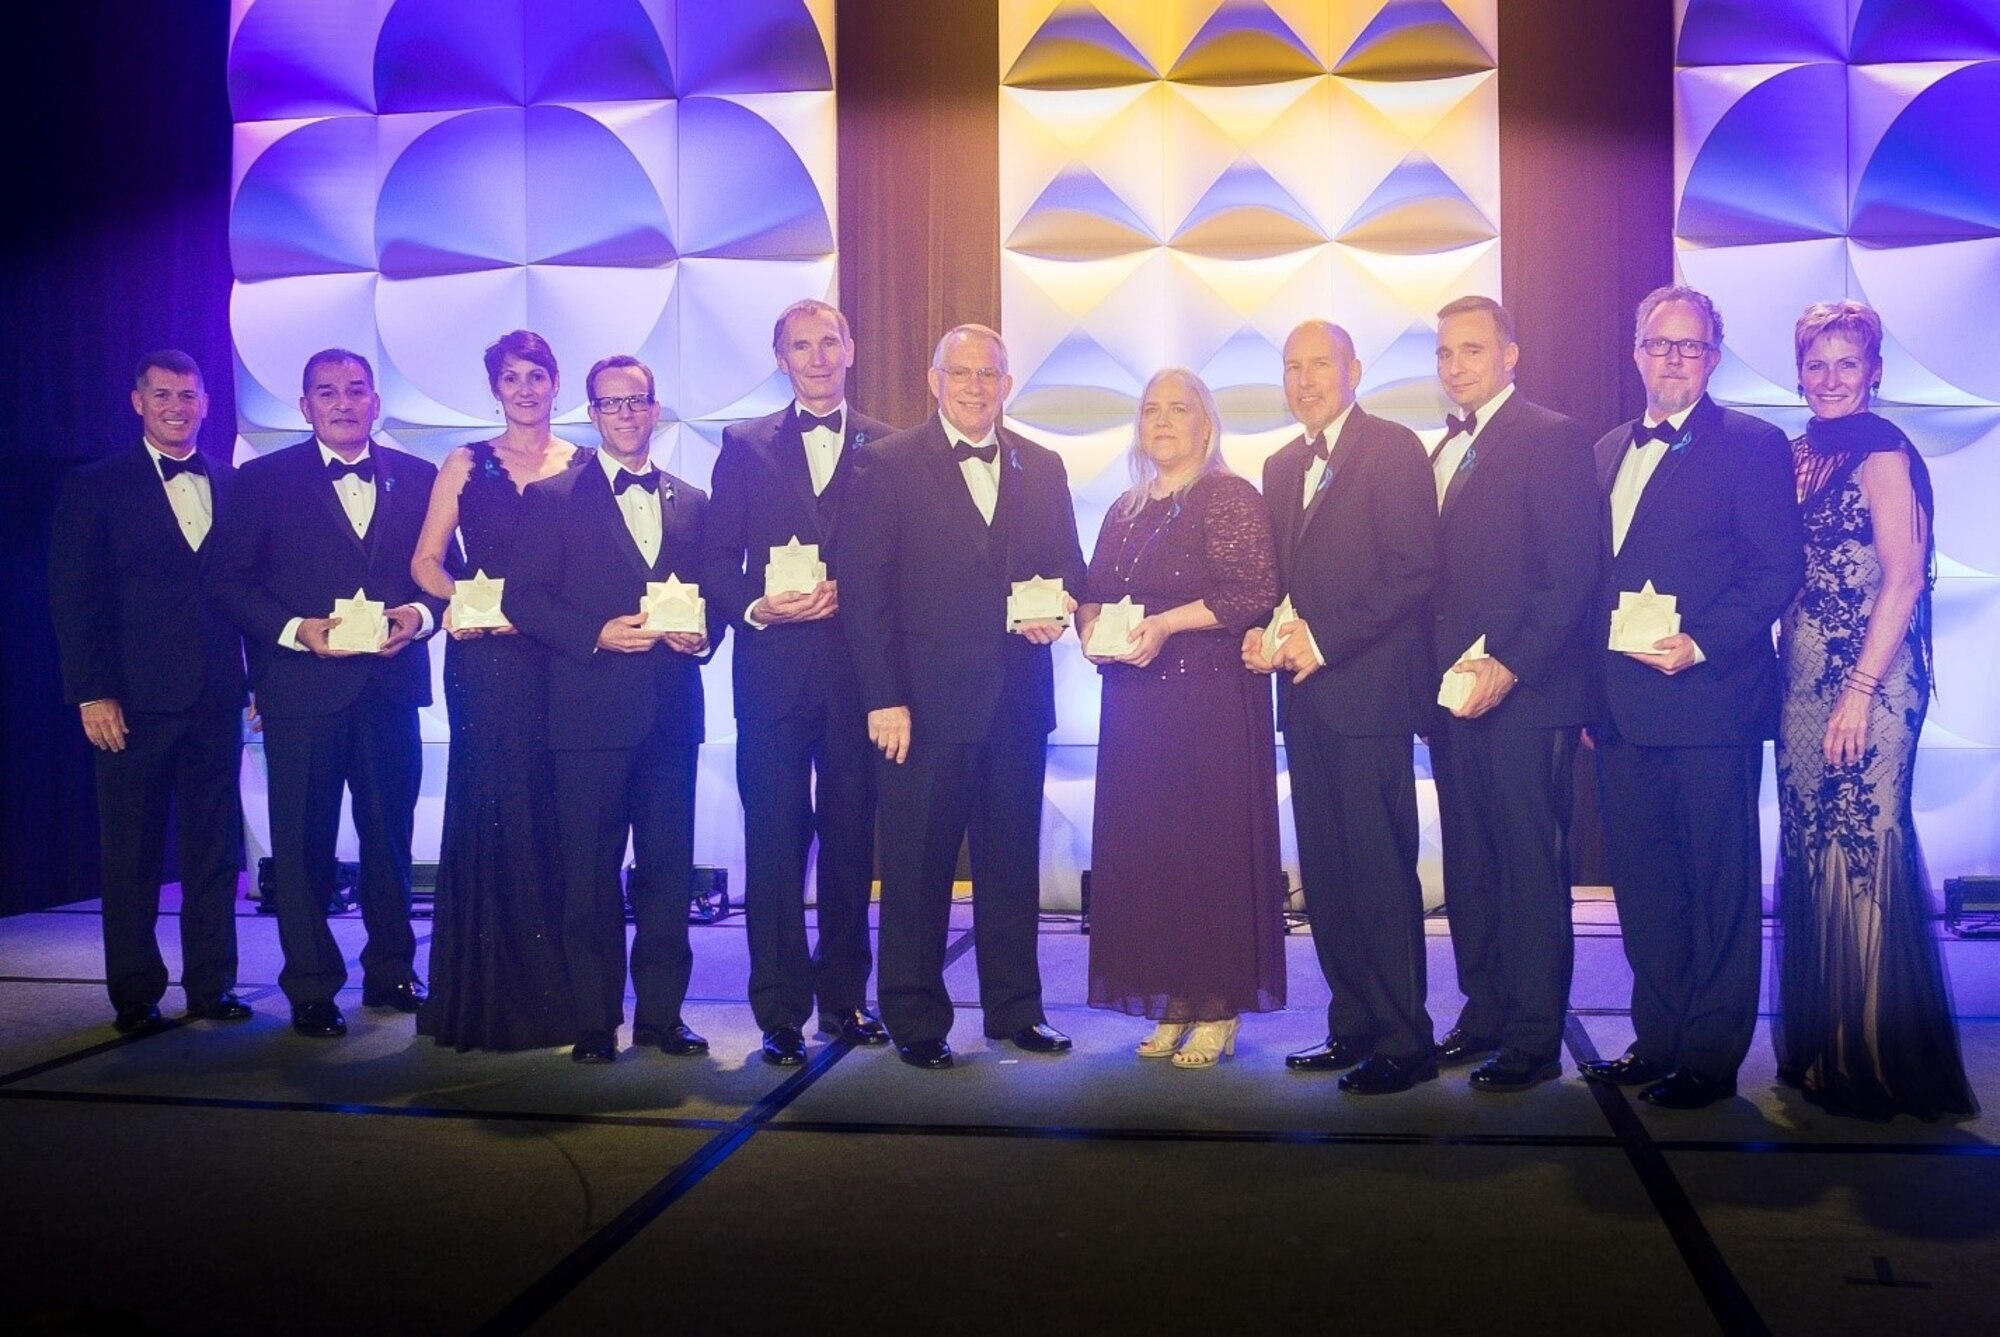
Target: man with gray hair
column 1702, row 507
column 943, row 519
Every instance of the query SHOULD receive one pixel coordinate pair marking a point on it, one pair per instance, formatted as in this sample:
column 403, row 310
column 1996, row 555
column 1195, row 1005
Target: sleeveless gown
column 1865, row 1023
column 1186, row 913
column 497, row 975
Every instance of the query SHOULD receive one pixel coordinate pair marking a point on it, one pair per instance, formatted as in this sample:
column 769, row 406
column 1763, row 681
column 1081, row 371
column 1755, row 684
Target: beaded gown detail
column 1186, row 913
column 497, row 975
column 1865, row 1023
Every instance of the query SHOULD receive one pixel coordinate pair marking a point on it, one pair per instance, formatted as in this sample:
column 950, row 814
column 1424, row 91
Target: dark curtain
column 117, row 243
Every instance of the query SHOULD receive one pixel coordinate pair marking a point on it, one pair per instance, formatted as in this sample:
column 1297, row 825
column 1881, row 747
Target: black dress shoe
column 405, row 997
column 1686, row 1089
column 856, row 1025
column 784, row 1047
column 1628, row 1070
column 1458, row 1047
column 676, row 1039
column 224, row 1006
column 1040, row 1038
column 1514, row 1070
column 1383, row 1075
column 137, row 1018
column 1330, row 1055
column 925, row 1054
column 319, row 1019
column 594, row 1047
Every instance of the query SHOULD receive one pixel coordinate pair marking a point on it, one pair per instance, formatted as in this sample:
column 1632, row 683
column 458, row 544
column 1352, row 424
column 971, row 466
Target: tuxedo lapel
column 385, row 492
column 322, row 486
column 1693, row 428
column 676, row 524
column 949, row 483
column 1493, row 437
column 151, row 508
column 1336, row 459
column 601, row 508
column 788, row 457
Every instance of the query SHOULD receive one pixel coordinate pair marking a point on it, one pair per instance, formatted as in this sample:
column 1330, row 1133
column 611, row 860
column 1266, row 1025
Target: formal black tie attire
column 804, row 765
column 925, row 577
column 297, row 538
column 131, row 539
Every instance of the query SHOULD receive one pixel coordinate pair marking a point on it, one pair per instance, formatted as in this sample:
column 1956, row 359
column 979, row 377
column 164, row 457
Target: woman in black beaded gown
column 497, row 974
column 1187, row 920
column 1865, row 1023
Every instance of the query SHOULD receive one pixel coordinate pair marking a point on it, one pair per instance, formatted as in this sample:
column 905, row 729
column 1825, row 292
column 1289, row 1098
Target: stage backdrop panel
column 1846, row 148
column 413, row 178
column 1182, row 183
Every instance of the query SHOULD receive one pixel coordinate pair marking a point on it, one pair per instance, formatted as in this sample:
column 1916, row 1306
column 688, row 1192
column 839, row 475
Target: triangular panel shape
column 1245, row 44
column 1078, row 48
column 1417, row 210
column 1414, row 39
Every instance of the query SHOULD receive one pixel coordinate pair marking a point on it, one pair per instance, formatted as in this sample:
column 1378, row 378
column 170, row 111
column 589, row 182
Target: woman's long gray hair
column 1144, row 472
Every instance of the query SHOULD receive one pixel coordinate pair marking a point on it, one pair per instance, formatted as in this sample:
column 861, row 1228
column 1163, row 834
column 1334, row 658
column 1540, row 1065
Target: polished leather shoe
column 856, row 1025
column 925, row 1054
column 676, row 1039
column 137, row 1018
column 1459, row 1047
column 1040, row 1038
column 594, row 1047
column 784, row 1047
column 1514, row 1070
column 405, row 997
column 1383, row 1075
column 1330, row 1055
column 224, row 1006
column 1686, row 1089
column 1627, row 1070
column 320, row 1019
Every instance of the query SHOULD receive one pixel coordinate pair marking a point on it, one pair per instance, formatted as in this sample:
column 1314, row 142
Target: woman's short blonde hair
column 1855, row 320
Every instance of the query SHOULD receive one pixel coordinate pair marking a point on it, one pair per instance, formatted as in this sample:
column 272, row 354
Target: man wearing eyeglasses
column 1701, row 504
column 945, row 517
column 625, row 712
column 803, row 764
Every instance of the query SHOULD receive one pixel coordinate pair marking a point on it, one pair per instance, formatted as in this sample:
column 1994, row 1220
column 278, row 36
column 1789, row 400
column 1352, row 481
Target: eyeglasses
column 1687, row 348
column 964, row 375
column 613, row 404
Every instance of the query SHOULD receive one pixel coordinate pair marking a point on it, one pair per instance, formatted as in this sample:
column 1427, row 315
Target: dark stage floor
column 218, row 1178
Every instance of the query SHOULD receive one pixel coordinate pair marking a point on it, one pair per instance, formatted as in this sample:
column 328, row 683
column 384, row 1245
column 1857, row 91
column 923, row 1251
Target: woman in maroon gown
column 1186, row 902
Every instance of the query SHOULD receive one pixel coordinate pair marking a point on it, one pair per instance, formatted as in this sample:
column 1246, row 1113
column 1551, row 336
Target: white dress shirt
column 640, row 507
column 823, row 446
column 982, row 479
column 1452, row 453
column 1634, row 472
column 1316, row 467
column 190, row 496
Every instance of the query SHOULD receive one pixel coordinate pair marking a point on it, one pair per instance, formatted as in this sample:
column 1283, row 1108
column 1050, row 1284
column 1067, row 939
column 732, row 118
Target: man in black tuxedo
column 1518, row 549
column 1702, row 505
column 944, row 517
column 156, row 674
column 625, row 711
column 313, row 523
column 798, row 706
column 1355, row 521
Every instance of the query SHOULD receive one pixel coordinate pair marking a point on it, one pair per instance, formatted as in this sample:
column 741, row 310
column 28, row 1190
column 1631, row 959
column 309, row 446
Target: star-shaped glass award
column 361, row 625
column 475, row 603
column 1456, row 688
column 670, row 605
column 1111, row 634
column 1037, row 599
column 1280, row 615
column 794, row 568
column 1643, row 618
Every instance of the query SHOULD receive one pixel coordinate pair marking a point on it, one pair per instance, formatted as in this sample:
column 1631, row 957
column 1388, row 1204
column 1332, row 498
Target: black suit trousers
column 1680, row 834
column 1504, row 798
column 188, row 761
column 784, row 809
column 373, row 750
column 603, row 797
column 989, row 792
column 1355, row 804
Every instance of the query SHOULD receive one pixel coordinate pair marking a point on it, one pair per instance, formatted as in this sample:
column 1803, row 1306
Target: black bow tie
column 649, row 480
column 809, row 422
column 1665, row 431
column 987, row 454
column 362, row 469
column 1453, row 426
column 1320, row 446
column 171, row 469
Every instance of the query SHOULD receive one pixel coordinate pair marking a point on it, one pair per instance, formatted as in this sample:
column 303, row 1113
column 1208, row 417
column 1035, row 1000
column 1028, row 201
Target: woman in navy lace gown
column 497, row 974
column 1187, row 918
column 1865, row 1023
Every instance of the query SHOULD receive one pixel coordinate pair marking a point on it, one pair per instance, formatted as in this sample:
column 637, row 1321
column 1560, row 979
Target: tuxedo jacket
column 285, row 549
column 575, row 567
column 1520, row 544
column 132, row 618
column 1718, row 528
column 763, row 498
column 1359, row 562
column 924, row 582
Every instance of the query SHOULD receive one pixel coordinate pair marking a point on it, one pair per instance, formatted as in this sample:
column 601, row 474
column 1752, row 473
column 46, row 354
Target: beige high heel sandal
column 1210, row 1041
column 1164, row 1040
